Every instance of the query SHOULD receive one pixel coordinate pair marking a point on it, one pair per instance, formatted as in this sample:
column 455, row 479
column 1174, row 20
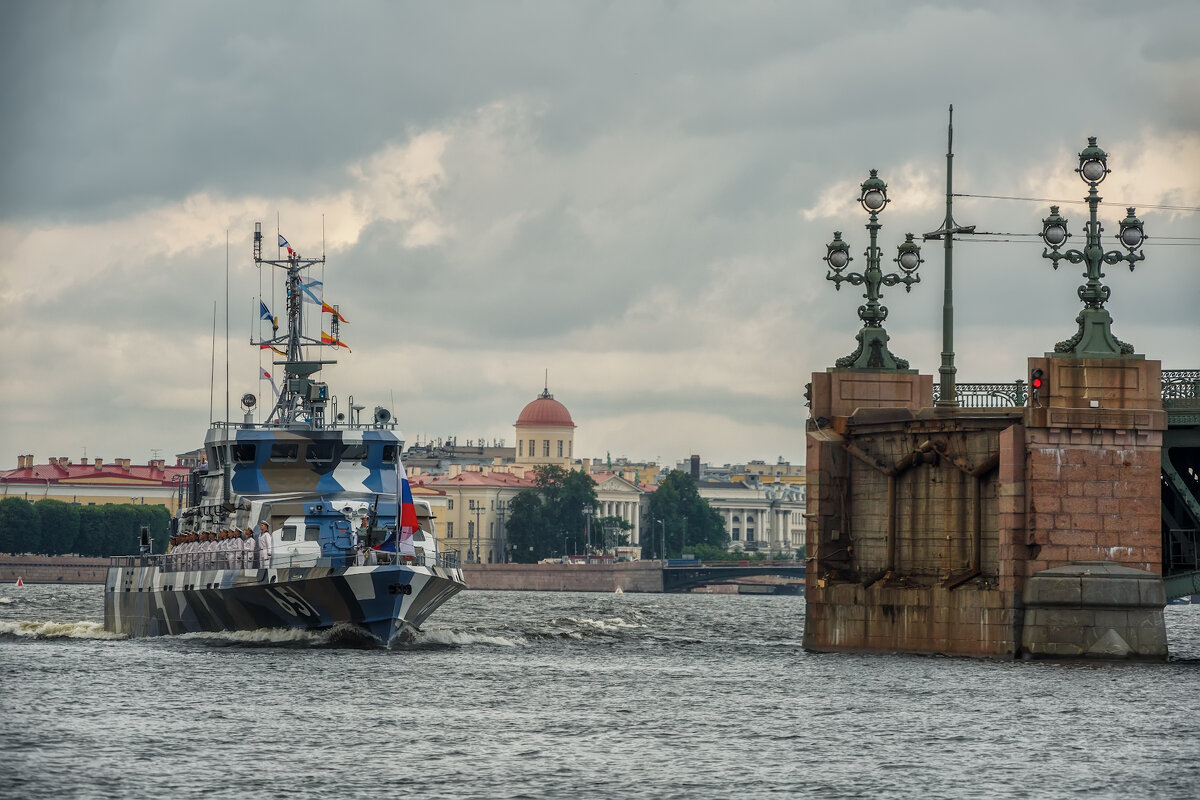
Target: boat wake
column 447, row 638
column 32, row 629
column 566, row 629
column 338, row 637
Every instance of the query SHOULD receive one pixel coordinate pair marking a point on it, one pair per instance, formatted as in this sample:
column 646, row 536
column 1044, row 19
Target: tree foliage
column 540, row 520
column 56, row 528
column 525, row 529
column 679, row 514
column 20, row 527
column 60, row 526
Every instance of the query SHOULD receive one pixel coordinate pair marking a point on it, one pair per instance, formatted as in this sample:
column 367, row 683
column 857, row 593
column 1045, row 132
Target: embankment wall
column 631, row 577
column 52, row 569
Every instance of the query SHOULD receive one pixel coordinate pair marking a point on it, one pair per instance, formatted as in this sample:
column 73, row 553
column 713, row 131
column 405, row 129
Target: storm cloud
column 634, row 196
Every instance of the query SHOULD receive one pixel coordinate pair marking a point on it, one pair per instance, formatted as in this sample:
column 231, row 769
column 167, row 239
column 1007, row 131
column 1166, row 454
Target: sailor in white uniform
column 248, row 548
column 266, row 546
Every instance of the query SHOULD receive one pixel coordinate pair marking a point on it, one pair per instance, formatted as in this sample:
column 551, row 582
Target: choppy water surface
column 548, row 695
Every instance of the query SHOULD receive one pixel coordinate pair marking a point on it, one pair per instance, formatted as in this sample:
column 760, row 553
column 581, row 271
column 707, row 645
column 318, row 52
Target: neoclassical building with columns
column 472, row 501
column 617, row 497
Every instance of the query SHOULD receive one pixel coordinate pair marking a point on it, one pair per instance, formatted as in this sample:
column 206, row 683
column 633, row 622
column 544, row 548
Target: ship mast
column 302, row 401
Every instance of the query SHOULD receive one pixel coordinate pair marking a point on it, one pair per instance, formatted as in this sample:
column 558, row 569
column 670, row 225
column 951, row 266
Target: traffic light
column 1036, row 382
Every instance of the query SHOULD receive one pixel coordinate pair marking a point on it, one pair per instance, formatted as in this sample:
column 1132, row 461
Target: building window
column 571, row 449
column 560, row 448
column 449, row 504
column 470, row 530
column 449, row 530
column 546, row 448
column 749, row 534
column 532, row 449
column 520, row 448
column 737, row 534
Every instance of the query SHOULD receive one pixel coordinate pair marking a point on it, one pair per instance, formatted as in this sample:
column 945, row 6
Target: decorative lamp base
column 1094, row 339
column 872, row 352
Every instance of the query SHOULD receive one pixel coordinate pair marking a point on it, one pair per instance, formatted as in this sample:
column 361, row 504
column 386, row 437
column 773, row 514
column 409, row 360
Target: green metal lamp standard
column 872, row 352
column 1094, row 339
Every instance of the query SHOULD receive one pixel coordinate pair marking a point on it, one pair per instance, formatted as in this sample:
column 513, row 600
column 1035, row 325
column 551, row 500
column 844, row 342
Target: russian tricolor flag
column 408, row 510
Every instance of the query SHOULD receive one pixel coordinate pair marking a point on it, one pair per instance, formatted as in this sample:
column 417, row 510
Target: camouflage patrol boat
column 348, row 544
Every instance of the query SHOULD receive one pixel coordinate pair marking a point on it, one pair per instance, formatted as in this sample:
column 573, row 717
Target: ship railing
column 185, row 562
column 370, row 425
column 420, row 558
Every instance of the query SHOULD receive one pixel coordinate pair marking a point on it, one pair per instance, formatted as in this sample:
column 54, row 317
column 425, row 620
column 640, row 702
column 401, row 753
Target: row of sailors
column 226, row 549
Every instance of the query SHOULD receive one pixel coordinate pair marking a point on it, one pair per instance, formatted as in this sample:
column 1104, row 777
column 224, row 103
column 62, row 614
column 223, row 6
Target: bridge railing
column 1180, row 388
column 987, row 395
column 1183, row 550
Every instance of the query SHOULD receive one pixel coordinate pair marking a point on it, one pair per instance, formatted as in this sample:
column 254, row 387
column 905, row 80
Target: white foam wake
column 261, row 636
column 466, row 637
column 57, row 630
column 606, row 625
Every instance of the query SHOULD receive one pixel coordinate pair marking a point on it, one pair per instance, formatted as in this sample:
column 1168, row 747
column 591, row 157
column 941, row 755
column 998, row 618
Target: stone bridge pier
column 1023, row 531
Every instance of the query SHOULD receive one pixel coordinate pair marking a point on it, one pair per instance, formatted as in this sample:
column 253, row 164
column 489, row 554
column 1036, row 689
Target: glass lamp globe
column 909, row 260
column 1092, row 171
column 1131, row 237
column 1055, row 235
column 873, row 200
column 838, row 259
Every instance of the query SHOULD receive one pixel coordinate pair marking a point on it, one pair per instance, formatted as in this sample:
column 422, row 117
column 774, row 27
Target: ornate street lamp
column 872, row 352
column 1094, row 338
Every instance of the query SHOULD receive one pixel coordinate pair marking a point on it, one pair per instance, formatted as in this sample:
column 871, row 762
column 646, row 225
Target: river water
column 573, row 695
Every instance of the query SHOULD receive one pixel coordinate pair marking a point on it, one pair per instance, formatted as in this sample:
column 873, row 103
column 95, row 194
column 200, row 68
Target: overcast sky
column 635, row 196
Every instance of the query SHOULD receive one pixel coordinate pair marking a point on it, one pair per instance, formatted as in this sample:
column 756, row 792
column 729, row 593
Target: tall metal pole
column 947, row 371
column 947, row 397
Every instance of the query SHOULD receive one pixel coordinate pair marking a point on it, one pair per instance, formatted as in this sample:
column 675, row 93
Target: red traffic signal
column 1036, row 382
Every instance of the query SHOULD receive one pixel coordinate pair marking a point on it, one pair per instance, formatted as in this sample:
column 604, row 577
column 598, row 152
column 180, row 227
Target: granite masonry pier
column 1025, row 531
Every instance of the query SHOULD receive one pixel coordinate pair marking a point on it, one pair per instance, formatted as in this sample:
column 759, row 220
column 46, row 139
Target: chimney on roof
column 99, row 463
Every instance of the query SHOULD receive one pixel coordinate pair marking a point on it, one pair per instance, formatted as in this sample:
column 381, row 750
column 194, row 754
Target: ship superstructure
column 342, row 548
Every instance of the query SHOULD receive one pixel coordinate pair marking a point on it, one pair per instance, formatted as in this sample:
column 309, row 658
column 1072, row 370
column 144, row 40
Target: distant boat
column 19, row 581
column 618, row 591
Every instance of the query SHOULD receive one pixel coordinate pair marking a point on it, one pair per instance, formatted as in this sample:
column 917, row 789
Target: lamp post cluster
column 1094, row 337
column 872, row 352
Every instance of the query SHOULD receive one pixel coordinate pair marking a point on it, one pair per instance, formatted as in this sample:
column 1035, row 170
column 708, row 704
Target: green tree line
column 678, row 518
column 551, row 520
column 52, row 527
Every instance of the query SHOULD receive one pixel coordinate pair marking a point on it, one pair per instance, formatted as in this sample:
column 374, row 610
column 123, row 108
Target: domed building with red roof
column 545, row 432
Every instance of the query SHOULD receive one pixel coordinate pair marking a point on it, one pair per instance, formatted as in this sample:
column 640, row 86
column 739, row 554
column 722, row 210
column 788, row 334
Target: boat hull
column 389, row 601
